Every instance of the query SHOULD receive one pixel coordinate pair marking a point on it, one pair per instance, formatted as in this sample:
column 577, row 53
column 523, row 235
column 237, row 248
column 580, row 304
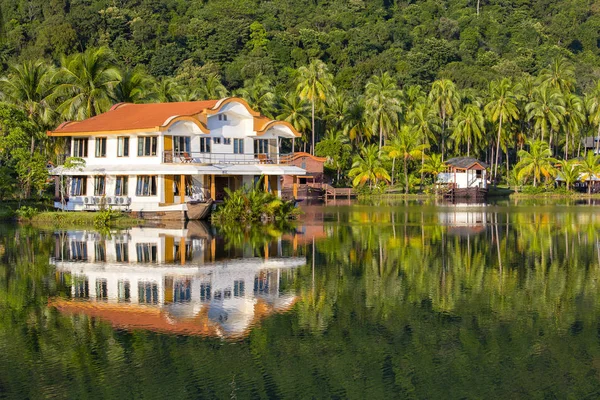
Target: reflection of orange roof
column 134, row 317
column 129, row 316
column 134, row 117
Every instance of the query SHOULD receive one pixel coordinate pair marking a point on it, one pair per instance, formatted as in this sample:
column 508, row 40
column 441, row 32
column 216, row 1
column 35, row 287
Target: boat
column 198, row 210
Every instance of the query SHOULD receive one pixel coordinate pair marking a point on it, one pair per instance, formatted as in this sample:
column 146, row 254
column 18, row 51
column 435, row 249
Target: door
column 168, row 154
column 169, row 194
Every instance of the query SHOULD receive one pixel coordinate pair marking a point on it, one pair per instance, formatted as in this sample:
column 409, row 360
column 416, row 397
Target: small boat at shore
column 198, row 210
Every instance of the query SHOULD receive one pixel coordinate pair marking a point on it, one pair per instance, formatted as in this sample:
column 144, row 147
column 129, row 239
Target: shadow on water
column 388, row 299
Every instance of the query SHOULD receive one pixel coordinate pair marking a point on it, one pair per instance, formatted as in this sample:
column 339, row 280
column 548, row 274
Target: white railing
column 224, row 158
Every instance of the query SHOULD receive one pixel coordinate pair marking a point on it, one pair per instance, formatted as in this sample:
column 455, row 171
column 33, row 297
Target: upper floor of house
column 225, row 131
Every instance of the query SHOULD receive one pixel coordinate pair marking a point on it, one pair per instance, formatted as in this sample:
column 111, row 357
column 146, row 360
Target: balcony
column 171, row 157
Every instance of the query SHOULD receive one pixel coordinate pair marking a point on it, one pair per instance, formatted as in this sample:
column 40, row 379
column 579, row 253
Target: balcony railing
column 224, row 158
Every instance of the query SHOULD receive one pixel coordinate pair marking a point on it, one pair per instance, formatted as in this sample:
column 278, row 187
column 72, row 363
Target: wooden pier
column 333, row 193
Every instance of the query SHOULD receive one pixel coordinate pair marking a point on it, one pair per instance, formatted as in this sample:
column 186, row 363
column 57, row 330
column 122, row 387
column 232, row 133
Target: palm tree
column 592, row 105
column 590, row 169
column 29, row 86
column 167, row 90
column 570, row 172
column 212, row 88
column 135, row 86
column 546, row 110
column 501, row 108
column 355, row 122
column 367, row 167
column 444, row 99
column 294, row 110
column 314, row 84
column 573, row 118
column 336, row 108
column 434, row 165
column 86, row 82
column 405, row 145
column 336, row 147
column 469, row 126
column 259, row 94
column 413, row 96
column 536, row 162
column 559, row 75
column 383, row 104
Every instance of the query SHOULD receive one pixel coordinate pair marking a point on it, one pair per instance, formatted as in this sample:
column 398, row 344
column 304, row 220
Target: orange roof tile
column 126, row 116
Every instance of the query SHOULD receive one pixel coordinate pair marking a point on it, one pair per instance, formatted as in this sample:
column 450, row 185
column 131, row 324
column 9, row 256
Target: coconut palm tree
column 135, row 86
column 469, row 126
column 259, row 94
column 570, row 171
column 167, row 90
column 211, row 88
column 355, row 124
column 445, row 100
column 85, row 83
column 336, row 147
column 383, row 104
column 29, row 85
column 573, row 118
column 559, row 75
column 592, row 105
column 407, row 146
column 536, row 162
column 433, row 165
column 314, row 84
column 294, row 110
column 413, row 95
column 546, row 110
column 590, row 169
column 367, row 167
column 501, row 109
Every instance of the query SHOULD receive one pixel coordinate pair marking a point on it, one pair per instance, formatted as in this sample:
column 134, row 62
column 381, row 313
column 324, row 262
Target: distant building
column 309, row 185
column 464, row 177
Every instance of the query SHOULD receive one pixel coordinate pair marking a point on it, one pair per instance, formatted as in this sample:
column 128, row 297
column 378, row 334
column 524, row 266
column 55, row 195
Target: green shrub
column 103, row 218
column 26, row 212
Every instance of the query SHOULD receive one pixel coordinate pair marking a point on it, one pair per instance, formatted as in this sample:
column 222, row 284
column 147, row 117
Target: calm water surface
column 358, row 301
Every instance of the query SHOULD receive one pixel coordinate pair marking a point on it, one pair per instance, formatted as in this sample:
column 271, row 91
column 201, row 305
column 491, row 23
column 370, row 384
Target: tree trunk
column 567, row 146
column 478, row 3
column 497, row 151
column 443, row 132
column 422, row 165
column 405, row 177
column 468, row 146
column 312, row 149
column 393, row 165
column 380, row 135
column 598, row 140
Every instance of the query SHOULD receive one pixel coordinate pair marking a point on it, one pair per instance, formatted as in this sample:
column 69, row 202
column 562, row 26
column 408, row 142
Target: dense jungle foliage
column 494, row 79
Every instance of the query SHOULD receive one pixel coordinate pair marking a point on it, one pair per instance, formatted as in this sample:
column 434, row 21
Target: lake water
column 358, row 301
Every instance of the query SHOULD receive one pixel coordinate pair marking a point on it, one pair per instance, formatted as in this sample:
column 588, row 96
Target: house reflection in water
column 176, row 281
column 463, row 219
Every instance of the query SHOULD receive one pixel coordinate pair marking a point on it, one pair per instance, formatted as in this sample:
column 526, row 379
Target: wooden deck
column 334, row 193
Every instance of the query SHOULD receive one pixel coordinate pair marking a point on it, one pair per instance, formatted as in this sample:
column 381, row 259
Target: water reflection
column 177, row 281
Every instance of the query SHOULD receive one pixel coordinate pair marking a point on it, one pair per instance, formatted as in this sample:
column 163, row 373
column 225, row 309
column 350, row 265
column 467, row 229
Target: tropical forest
column 385, row 90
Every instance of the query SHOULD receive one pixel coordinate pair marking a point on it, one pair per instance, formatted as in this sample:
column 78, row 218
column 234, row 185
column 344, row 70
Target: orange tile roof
column 126, row 116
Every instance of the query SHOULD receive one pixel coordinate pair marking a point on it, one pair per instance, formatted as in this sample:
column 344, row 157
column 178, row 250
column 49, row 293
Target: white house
column 176, row 281
column 159, row 157
column 464, row 177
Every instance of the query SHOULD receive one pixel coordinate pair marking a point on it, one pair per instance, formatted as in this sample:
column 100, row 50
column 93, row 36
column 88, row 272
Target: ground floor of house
column 161, row 188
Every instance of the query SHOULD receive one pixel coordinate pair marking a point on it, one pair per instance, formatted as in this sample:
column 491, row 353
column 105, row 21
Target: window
column 239, row 289
column 101, row 147
column 238, row 146
column 99, row 185
column 222, row 117
column 182, row 144
column 122, row 250
column 182, row 291
column 205, row 145
column 227, row 141
column 124, row 291
column 101, row 289
column 80, row 148
column 146, row 185
column 123, row 146
column 99, row 252
column 147, row 146
column 79, row 186
column 217, row 140
column 261, row 146
column 78, row 251
column 81, row 288
column 205, row 292
column 146, row 252
column 177, row 183
column 121, row 184
column 148, row 292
